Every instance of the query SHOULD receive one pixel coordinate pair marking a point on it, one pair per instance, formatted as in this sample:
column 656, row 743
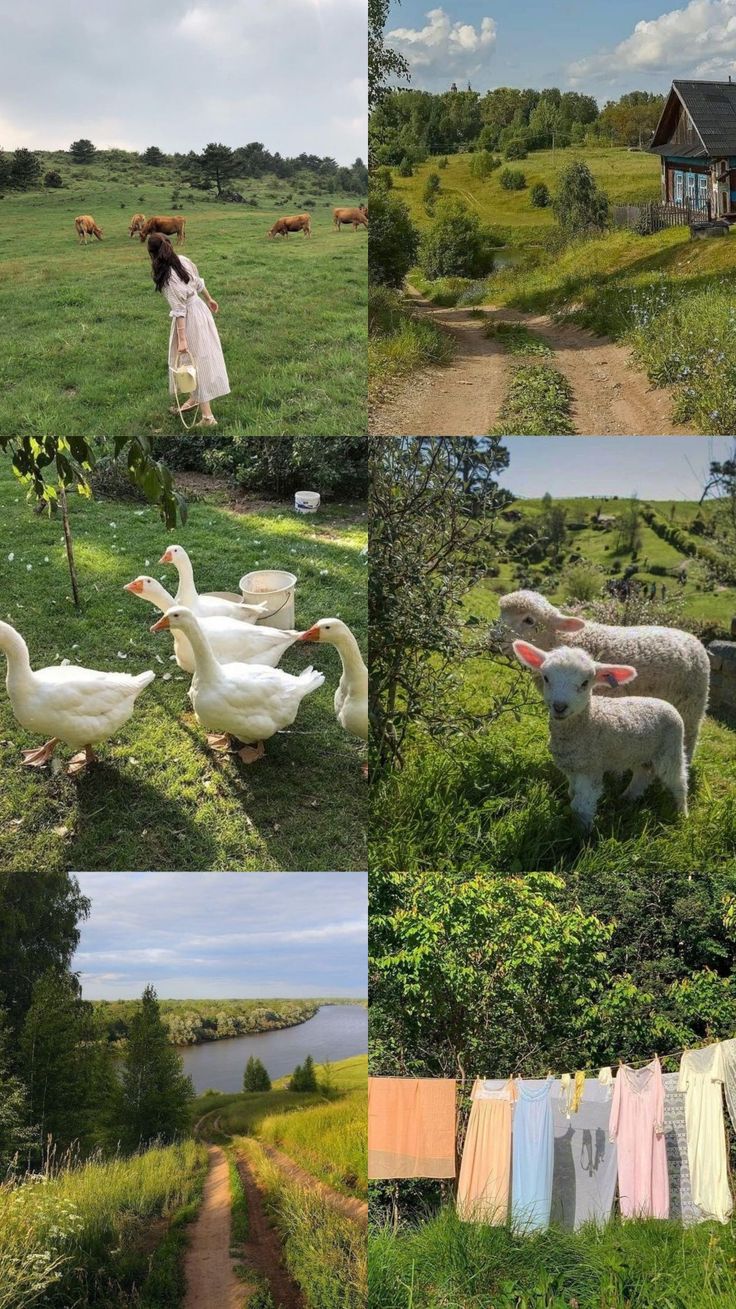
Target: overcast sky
column 180, row 73
column 602, row 47
column 224, row 935
column 655, row 467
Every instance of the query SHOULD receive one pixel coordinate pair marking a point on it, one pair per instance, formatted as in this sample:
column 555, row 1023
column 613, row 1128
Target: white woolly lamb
column 590, row 735
column 671, row 664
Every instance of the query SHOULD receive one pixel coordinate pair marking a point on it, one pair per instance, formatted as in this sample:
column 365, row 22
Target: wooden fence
column 653, row 216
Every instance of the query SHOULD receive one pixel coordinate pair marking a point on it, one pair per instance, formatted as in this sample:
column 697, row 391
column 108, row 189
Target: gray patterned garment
column 585, row 1165
column 682, row 1206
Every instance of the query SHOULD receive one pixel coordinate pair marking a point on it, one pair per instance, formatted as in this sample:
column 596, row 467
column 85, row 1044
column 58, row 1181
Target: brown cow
column 86, row 227
column 357, row 217
column 167, row 226
column 136, row 223
column 293, row 223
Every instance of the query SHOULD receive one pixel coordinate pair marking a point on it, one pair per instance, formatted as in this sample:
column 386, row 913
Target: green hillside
column 86, row 336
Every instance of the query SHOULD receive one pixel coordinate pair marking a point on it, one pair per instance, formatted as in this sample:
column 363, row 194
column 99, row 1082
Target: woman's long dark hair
column 163, row 259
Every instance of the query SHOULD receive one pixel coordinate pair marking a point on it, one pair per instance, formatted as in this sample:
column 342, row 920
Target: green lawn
column 86, row 337
column 159, row 798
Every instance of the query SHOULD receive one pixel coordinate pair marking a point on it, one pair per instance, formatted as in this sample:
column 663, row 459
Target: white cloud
column 697, row 40
column 443, row 41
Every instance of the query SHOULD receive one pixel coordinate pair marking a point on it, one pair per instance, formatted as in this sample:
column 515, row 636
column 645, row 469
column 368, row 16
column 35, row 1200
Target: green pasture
column 159, row 798
column 86, row 337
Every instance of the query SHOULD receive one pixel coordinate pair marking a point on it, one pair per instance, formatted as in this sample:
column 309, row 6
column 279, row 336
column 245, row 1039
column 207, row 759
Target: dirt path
column 611, row 396
column 343, row 1204
column 210, row 1276
column 262, row 1251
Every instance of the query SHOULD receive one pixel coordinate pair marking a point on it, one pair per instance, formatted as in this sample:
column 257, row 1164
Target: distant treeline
column 214, row 167
column 412, row 125
column 192, row 1022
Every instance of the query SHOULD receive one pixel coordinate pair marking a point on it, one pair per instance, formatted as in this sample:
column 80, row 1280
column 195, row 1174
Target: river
column 336, row 1032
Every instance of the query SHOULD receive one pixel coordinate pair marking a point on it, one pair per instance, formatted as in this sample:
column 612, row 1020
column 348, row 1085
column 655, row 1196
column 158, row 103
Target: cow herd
column 171, row 225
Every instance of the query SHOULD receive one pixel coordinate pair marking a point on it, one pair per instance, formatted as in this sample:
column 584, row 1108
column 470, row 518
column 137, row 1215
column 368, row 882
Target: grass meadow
column 159, row 798
column 495, row 799
column 101, row 1233
column 86, row 337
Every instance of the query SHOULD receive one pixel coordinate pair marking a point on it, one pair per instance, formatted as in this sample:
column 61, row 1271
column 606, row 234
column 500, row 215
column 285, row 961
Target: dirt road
column 210, row 1277
column 262, row 1251
column 343, row 1204
column 610, row 396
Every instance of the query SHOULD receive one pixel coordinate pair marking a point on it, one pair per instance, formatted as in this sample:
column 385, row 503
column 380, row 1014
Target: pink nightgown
column 636, row 1125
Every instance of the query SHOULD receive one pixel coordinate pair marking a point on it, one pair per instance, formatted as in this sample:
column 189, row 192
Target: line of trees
column 410, row 125
column 256, row 1078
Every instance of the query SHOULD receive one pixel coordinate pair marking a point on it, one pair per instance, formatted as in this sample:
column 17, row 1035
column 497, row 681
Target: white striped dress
column 201, row 332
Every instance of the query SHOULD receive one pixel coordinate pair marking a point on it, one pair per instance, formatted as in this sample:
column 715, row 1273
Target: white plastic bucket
column 306, row 502
column 277, row 588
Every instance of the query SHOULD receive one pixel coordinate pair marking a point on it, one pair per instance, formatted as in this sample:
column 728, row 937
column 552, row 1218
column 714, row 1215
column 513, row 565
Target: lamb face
column 529, row 615
column 568, row 678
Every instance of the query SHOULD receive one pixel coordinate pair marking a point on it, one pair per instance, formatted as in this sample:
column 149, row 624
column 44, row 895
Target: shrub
column 52, row 178
column 482, row 164
column 431, row 190
column 442, row 163
column 516, row 149
column 335, row 465
column 456, row 245
column 582, row 581
column 540, row 196
column 405, row 168
column 394, row 240
column 382, row 179
column 580, row 207
column 512, row 179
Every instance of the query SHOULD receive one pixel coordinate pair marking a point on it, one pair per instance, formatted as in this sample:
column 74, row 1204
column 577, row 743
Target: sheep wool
column 671, row 664
column 591, row 735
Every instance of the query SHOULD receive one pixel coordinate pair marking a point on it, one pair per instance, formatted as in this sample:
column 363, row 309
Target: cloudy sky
column 224, row 935
column 180, row 73
column 602, row 47
column 655, row 467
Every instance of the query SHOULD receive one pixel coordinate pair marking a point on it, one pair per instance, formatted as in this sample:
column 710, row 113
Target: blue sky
column 601, row 47
column 224, row 935
column 655, row 467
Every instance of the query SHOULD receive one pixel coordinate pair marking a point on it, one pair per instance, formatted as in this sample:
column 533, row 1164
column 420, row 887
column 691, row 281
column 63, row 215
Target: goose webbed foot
column 79, row 762
column 41, row 755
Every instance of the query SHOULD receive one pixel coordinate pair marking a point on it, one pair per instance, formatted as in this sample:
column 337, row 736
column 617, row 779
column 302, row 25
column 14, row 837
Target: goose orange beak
column 162, row 625
column 312, row 634
column 166, row 557
column 135, row 587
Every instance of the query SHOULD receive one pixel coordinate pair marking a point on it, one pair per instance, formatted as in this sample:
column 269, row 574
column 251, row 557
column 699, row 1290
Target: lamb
column 671, row 664
column 590, row 735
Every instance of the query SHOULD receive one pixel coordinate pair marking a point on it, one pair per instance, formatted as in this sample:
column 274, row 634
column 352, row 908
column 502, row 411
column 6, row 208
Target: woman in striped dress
column 193, row 329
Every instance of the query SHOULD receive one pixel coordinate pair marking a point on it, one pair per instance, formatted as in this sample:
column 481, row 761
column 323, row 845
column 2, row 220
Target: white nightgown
column 701, row 1078
column 202, row 338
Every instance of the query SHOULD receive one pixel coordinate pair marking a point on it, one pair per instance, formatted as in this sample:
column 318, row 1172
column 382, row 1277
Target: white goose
column 80, row 706
column 351, row 696
column 250, row 702
column 229, row 639
column 207, row 606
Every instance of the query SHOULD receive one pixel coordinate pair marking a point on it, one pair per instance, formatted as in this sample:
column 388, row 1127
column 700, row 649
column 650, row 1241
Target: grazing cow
column 358, row 217
column 136, row 223
column 166, row 226
column 293, row 223
column 86, row 227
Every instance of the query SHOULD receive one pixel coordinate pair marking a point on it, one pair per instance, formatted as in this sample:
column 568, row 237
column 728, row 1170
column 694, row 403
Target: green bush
column 516, row 149
column 394, row 241
column 431, row 190
column 512, row 179
column 581, row 581
column 456, row 244
column 53, row 178
column 442, row 163
column 482, row 164
column 540, row 196
column 382, row 179
column 580, row 207
column 405, row 168
column 335, row 465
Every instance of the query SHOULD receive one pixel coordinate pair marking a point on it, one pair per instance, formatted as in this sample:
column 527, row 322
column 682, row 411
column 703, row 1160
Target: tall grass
column 324, row 1251
column 328, row 1140
column 400, row 342
column 445, row 1264
column 77, row 1238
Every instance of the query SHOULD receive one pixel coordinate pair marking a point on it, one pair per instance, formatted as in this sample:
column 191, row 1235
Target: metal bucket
column 277, row 588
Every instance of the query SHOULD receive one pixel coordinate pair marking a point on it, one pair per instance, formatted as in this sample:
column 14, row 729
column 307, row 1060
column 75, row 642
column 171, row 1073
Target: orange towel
column 411, row 1127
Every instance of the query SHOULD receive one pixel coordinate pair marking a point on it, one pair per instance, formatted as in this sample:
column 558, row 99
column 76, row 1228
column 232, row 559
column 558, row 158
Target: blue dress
column 532, row 1155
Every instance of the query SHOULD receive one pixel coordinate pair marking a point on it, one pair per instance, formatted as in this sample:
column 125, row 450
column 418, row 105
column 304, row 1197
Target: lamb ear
column 614, row 674
column 563, row 624
column 529, row 655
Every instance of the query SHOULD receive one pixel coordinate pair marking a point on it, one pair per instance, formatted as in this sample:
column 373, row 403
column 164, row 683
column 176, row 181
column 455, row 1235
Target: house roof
column 712, row 110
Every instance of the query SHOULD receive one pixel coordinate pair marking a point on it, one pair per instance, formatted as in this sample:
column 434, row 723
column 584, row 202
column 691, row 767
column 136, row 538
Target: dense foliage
column 255, row 1077
column 394, row 239
column 335, row 466
column 456, row 245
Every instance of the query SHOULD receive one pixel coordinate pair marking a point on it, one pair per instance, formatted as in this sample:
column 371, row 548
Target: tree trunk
column 69, row 546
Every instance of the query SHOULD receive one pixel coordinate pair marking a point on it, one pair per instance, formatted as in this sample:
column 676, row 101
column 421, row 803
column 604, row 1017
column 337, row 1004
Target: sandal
column 211, row 421
column 173, row 409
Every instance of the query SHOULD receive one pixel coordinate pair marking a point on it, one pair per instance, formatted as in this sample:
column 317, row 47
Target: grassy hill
column 86, row 336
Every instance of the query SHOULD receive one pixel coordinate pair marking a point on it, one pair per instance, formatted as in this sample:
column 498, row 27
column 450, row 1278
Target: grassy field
column 627, row 178
column 496, row 800
column 90, row 1236
column 442, row 1262
column 159, row 798
column 86, row 337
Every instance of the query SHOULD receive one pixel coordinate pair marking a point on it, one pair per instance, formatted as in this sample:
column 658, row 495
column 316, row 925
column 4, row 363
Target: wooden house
column 696, row 141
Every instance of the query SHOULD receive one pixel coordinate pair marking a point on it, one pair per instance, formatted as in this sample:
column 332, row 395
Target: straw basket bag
column 184, row 378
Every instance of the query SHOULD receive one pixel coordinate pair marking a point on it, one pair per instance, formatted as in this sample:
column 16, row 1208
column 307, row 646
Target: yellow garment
column 485, row 1170
column 701, row 1078
column 577, row 1094
column 411, row 1127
